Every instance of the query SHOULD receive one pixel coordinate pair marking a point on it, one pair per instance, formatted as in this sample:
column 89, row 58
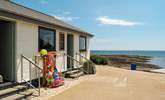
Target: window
column 82, row 43
column 46, row 39
column 61, row 41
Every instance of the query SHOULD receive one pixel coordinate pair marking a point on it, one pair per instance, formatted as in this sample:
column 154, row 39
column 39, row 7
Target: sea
column 157, row 57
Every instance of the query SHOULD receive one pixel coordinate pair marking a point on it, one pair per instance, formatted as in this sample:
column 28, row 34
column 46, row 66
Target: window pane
column 82, row 43
column 62, row 41
column 46, row 39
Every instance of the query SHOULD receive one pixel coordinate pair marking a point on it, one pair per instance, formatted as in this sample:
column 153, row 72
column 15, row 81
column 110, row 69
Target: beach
column 145, row 60
column 125, row 61
column 112, row 83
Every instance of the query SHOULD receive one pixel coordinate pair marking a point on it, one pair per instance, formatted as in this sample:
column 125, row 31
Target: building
column 25, row 31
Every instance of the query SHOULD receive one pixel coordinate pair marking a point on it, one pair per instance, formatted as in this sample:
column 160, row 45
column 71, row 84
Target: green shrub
column 99, row 60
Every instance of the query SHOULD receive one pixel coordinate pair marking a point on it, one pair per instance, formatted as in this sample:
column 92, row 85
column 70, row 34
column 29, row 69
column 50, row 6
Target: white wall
column 76, row 49
column 88, row 47
column 61, row 60
column 27, row 44
column 87, row 52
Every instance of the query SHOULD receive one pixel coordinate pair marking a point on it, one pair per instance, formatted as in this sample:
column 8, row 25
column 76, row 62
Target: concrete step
column 72, row 72
column 19, row 96
column 76, row 75
column 11, row 91
column 6, row 85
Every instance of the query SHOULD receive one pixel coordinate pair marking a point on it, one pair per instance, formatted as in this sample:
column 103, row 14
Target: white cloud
column 105, row 20
column 68, row 18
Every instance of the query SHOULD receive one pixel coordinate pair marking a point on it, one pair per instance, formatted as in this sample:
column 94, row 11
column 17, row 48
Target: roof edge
column 87, row 33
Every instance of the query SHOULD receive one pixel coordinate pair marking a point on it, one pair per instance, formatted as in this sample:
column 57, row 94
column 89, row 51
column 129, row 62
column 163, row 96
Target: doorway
column 7, row 50
column 70, row 51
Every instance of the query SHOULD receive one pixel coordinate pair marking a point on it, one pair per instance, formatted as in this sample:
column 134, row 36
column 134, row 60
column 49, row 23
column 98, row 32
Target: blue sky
column 116, row 24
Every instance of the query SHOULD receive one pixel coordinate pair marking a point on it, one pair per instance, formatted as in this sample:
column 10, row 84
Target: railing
column 72, row 60
column 38, row 71
column 88, row 61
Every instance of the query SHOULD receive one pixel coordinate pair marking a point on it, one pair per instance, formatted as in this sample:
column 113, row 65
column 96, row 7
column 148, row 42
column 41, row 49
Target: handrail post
column 76, row 62
column 77, row 65
column 30, row 73
column 70, row 63
column 64, row 61
column 21, row 68
column 88, row 67
column 39, row 84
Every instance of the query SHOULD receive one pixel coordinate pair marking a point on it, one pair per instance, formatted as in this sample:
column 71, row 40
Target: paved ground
column 117, row 84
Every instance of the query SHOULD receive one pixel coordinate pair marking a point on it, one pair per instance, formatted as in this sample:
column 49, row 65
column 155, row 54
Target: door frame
column 68, row 64
column 14, row 48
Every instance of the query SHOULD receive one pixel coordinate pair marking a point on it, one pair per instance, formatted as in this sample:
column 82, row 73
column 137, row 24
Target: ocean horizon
column 157, row 56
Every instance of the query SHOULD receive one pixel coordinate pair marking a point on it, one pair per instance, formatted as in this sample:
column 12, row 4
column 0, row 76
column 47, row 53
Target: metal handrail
column 30, row 74
column 88, row 68
column 72, row 58
column 31, row 85
column 77, row 61
column 32, row 62
column 83, row 56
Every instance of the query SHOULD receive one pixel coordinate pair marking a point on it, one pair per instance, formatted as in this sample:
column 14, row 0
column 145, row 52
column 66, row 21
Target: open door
column 70, row 51
column 7, row 50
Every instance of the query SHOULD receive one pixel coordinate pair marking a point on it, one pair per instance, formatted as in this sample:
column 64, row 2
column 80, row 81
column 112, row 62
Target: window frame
column 85, row 43
column 54, row 31
column 61, row 49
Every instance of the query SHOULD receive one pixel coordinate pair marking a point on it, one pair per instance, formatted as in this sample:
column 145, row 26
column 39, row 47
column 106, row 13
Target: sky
column 116, row 24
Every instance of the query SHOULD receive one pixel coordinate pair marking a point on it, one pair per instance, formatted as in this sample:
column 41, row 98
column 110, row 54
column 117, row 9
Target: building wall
column 76, row 49
column 87, row 52
column 61, row 60
column 88, row 47
column 27, row 44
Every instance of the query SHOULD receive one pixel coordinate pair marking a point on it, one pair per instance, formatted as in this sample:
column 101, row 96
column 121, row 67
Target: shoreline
column 124, row 61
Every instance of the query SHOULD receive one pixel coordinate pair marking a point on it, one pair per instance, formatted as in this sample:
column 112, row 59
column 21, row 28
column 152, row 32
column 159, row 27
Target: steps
column 14, row 92
column 7, row 85
column 18, row 96
column 74, row 73
column 77, row 75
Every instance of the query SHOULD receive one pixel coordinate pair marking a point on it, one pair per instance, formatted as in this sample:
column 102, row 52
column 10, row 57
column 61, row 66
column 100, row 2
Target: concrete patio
column 116, row 84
